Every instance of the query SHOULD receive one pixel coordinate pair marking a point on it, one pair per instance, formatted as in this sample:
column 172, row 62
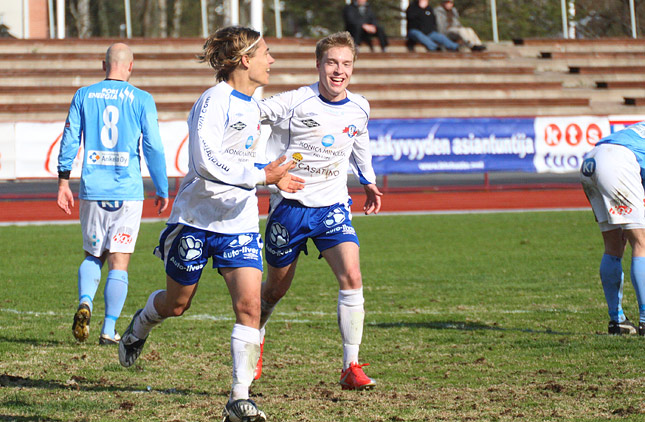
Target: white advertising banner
column 7, row 151
column 561, row 142
column 621, row 122
column 30, row 150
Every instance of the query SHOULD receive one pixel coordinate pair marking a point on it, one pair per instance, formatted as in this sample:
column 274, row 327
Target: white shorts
column 110, row 225
column 610, row 176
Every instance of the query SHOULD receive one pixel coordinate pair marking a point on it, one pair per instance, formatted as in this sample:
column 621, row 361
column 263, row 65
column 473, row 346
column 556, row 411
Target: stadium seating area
column 520, row 78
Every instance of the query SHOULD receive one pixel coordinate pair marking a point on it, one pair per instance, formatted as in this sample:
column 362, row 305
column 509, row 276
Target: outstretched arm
column 373, row 200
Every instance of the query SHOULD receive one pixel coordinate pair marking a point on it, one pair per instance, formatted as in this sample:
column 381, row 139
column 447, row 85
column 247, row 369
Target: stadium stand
column 524, row 78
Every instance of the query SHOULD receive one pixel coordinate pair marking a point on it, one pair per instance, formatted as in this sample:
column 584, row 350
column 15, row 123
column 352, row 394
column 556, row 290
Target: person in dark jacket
column 362, row 24
column 422, row 27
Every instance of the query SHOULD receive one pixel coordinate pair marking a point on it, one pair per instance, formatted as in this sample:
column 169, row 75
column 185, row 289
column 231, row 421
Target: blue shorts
column 291, row 224
column 185, row 251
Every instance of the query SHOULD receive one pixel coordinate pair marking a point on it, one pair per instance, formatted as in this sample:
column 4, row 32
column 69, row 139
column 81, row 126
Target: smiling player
column 323, row 128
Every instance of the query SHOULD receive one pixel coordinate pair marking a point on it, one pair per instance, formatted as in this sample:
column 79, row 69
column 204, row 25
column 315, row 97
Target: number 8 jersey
column 110, row 117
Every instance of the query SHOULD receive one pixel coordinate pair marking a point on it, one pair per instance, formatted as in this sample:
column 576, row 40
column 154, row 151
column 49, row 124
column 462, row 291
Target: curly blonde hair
column 338, row 39
column 224, row 49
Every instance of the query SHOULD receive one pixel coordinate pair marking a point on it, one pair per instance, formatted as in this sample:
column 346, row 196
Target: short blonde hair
column 338, row 39
column 224, row 49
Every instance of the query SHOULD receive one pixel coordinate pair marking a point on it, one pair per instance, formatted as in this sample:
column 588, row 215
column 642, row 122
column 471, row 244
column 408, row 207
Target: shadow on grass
column 32, row 341
column 463, row 326
column 26, row 418
column 82, row 384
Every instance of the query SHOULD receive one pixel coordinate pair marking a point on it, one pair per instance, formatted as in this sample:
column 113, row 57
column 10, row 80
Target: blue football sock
column 115, row 292
column 89, row 277
column 611, row 275
column 638, row 281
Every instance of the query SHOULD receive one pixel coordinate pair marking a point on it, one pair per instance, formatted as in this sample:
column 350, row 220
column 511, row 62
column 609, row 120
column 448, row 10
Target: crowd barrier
column 29, row 150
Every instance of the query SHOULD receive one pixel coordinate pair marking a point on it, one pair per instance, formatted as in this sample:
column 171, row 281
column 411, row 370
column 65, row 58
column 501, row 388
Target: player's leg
column 122, row 219
column 344, row 262
column 89, row 272
column 636, row 239
column 114, row 293
column 244, row 287
column 611, row 277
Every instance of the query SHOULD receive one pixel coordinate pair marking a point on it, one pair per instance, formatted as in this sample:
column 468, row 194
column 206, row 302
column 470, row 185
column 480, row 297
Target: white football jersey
column 218, row 192
column 324, row 138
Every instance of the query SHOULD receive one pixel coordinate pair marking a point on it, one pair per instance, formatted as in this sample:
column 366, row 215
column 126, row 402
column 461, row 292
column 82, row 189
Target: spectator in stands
column 362, row 24
column 422, row 27
column 448, row 24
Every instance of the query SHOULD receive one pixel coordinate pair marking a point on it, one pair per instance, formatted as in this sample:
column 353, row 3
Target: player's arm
column 360, row 162
column 69, row 146
column 153, row 153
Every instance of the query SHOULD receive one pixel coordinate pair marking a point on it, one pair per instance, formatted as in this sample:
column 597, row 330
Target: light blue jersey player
column 612, row 177
column 323, row 127
column 215, row 213
column 114, row 121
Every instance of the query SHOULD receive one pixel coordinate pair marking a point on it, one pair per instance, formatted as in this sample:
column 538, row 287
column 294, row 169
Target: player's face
column 260, row 64
column 334, row 71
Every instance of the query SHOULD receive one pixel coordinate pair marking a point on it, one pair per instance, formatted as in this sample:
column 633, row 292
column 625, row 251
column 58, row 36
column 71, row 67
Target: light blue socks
column 115, row 292
column 89, row 277
column 611, row 275
column 638, row 281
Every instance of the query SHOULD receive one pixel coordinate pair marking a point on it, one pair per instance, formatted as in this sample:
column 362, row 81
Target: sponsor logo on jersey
column 278, row 235
column 324, row 152
column 620, row 210
column 238, row 125
column 123, row 236
column 110, row 205
column 190, row 248
column 297, row 157
column 108, row 158
column 334, row 217
column 310, row 123
column 325, row 171
column 112, row 94
column 242, row 240
column 351, row 131
column 344, row 229
column 328, row 140
column 245, row 251
column 588, row 167
column 249, row 142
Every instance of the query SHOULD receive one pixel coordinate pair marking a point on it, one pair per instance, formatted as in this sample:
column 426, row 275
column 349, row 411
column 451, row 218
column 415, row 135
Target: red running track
column 25, row 211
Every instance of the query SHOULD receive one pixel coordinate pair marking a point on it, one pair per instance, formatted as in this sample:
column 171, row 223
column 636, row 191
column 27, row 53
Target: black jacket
column 421, row 19
column 354, row 19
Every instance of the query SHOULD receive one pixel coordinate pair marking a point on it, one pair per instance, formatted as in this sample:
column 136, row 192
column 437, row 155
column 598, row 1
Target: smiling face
column 334, row 71
column 260, row 64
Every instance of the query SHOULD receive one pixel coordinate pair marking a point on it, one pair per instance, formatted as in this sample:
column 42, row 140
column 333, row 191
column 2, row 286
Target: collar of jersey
column 335, row 103
column 241, row 96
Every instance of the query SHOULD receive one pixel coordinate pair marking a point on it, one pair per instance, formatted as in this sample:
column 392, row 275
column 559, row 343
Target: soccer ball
column 334, row 217
column 278, row 235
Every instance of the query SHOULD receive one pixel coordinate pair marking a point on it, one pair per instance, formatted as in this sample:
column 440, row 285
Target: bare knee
column 352, row 279
column 247, row 310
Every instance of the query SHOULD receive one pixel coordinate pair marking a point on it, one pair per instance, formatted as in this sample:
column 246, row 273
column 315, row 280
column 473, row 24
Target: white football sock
column 245, row 350
column 148, row 318
column 351, row 315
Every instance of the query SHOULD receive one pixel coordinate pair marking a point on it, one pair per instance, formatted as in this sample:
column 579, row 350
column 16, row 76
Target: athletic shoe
column 353, row 378
column 242, row 411
column 619, row 328
column 258, row 368
column 130, row 346
column 105, row 340
column 81, row 325
column 641, row 328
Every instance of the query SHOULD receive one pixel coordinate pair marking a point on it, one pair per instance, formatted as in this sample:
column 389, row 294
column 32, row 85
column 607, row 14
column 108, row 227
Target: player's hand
column 290, row 183
column 373, row 200
column 162, row 203
column 65, row 198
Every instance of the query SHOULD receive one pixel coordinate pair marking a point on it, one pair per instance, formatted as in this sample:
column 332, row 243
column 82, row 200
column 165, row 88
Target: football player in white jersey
column 323, row 127
column 114, row 121
column 215, row 213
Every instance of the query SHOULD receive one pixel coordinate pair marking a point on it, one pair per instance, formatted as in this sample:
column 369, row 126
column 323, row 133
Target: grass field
column 482, row 317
